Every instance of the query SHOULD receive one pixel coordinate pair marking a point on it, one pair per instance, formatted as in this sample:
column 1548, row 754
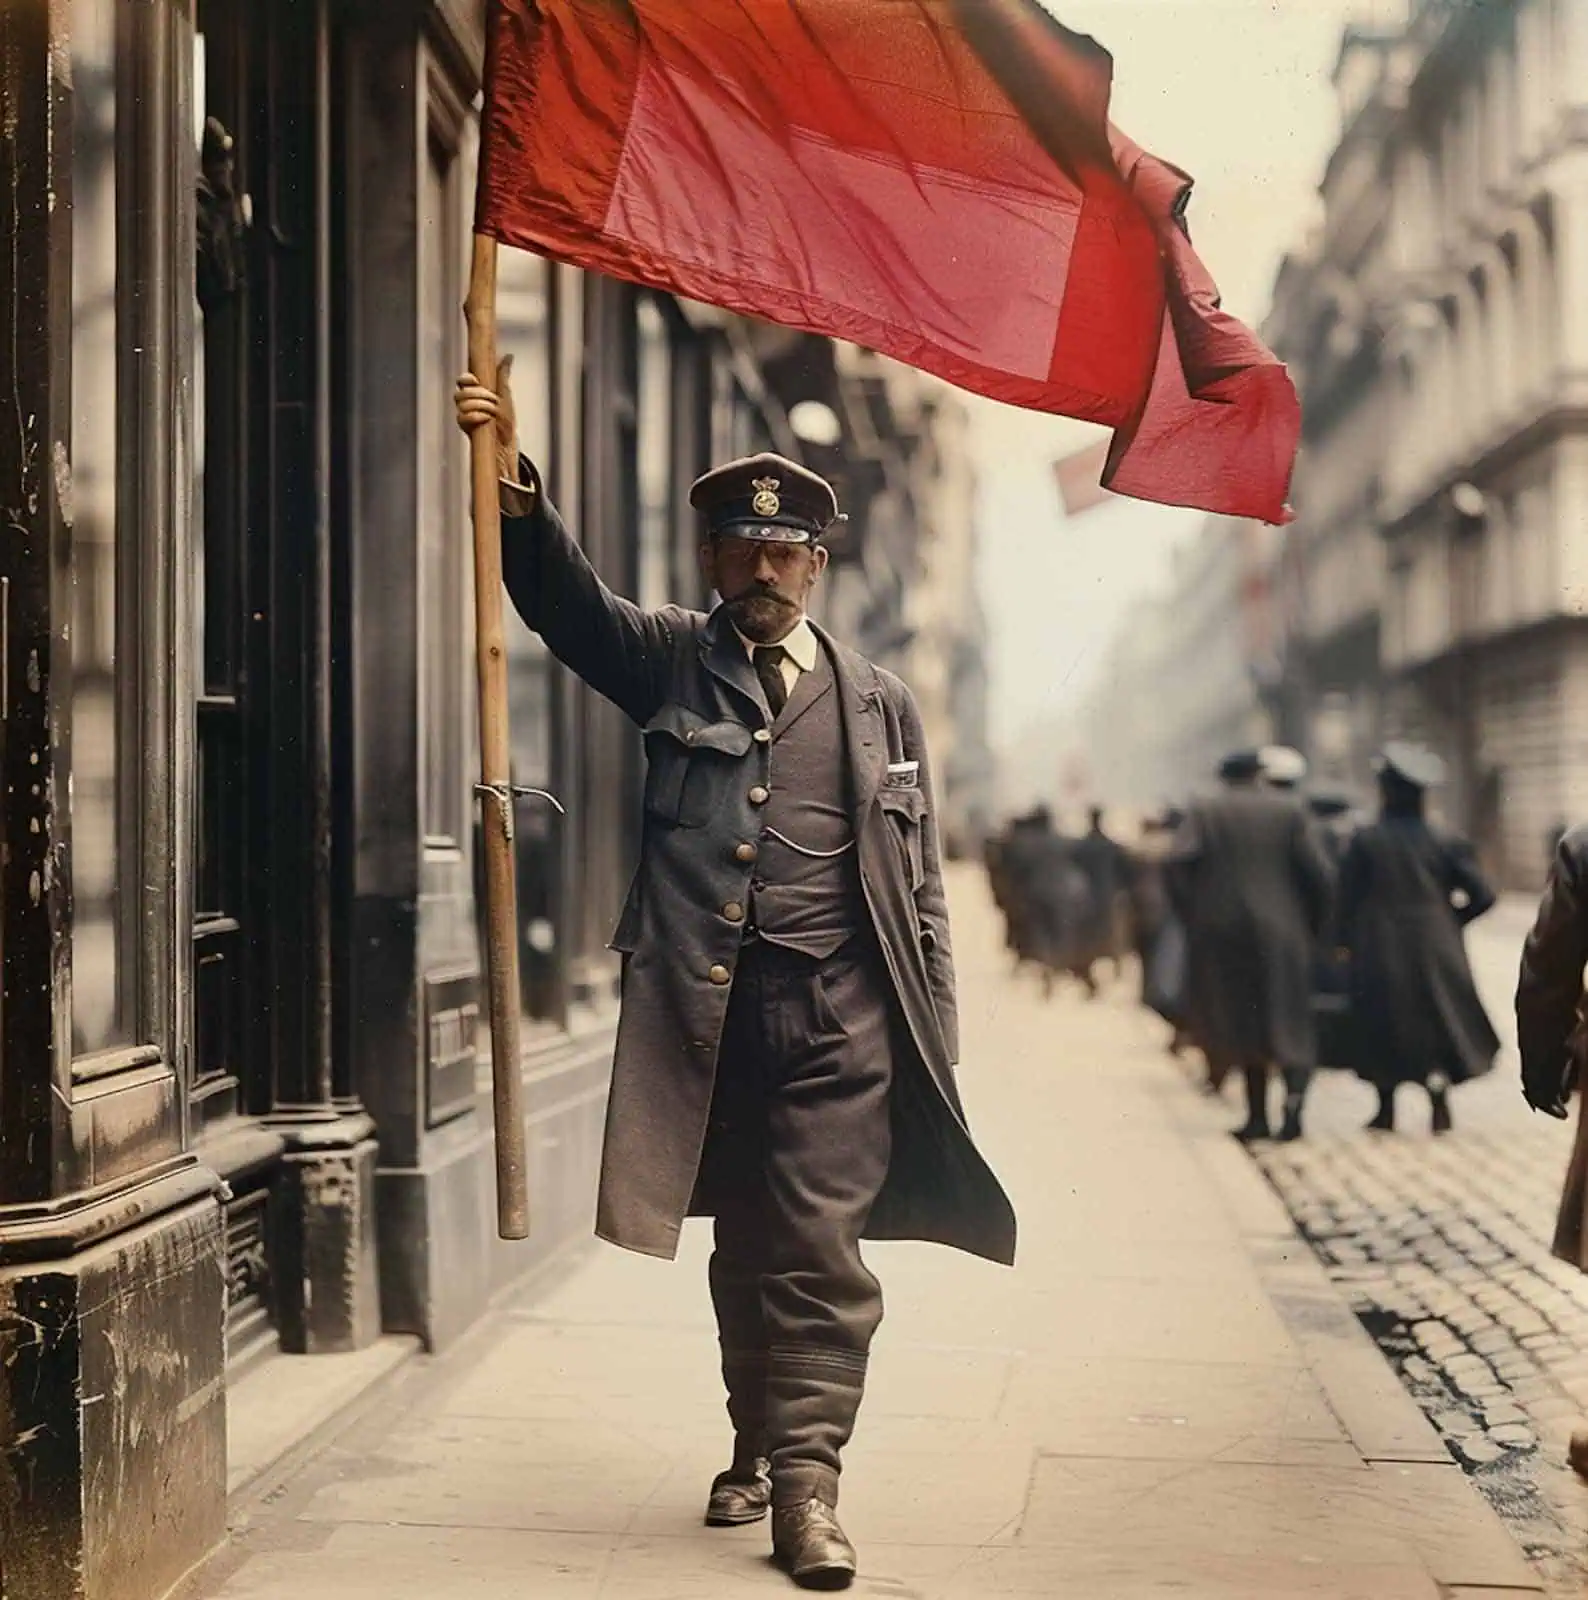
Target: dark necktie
column 769, row 669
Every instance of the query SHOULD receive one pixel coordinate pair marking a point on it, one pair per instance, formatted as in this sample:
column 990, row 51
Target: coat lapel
column 727, row 660
column 865, row 727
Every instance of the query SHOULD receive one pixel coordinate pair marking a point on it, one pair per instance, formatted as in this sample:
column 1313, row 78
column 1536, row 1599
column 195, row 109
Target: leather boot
column 741, row 1495
column 1297, row 1080
column 810, row 1546
column 1384, row 1121
column 1256, row 1126
column 1439, row 1097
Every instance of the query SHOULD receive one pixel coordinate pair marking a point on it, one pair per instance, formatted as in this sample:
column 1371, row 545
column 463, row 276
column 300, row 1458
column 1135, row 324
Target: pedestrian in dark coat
column 1255, row 889
column 1406, row 892
column 1016, row 867
column 787, row 1040
column 1107, row 866
column 1063, row 915
column 1551, row 1029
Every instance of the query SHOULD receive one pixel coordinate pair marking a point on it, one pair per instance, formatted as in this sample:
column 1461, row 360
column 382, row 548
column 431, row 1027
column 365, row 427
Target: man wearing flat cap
column 786, row 1049
column 1407, row 889
column 1254, row 888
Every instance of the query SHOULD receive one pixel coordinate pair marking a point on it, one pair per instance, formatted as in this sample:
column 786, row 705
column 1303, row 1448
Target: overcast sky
column 1237, row 93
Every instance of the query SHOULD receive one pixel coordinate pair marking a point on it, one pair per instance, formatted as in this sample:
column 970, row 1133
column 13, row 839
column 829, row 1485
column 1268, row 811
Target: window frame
column 446, row 124
column 156, row 173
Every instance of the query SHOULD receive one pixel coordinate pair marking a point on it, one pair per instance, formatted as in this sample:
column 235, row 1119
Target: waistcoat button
column 761, row 736
column 719, row 975
column 733, row 911
column 744, row 852
column 759, row 796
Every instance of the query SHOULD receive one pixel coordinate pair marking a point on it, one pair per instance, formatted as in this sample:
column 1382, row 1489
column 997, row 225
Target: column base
column 327, row 1299
column 113, row 1409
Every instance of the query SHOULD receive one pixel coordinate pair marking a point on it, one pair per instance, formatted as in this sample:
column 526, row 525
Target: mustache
column 758, row 592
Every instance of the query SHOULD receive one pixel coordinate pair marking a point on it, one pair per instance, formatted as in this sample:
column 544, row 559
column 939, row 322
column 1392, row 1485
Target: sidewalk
column 1165, row 1396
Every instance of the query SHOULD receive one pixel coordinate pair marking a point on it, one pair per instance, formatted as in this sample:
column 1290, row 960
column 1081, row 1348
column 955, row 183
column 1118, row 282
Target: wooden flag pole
column 495, row 790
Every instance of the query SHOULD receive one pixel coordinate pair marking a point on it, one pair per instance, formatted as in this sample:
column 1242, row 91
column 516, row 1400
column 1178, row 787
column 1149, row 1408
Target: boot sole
column 735, row 1519
column 825, row 1577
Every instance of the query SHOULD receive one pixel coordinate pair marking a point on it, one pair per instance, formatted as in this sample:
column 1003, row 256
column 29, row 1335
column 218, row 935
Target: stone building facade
column 1192, row 674
column 247, row 1121
column 1437, row 323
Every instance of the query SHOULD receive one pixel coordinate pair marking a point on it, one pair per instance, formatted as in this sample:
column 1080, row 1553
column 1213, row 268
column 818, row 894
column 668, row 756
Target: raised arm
column 621, row 650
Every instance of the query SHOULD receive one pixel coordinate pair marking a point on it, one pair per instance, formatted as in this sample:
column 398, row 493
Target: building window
column 131, row 283
column 526, row 313
column 446, row 632
column 653, row 447
column 101, row 1015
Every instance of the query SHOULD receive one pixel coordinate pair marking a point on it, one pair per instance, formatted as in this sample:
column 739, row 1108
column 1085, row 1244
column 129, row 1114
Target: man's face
column 764, row 585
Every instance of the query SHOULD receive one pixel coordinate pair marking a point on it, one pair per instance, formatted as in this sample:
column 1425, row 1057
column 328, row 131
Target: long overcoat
column 686, row 680
column 1551, row 1029
column 1416, row 1009
column 1254, row 888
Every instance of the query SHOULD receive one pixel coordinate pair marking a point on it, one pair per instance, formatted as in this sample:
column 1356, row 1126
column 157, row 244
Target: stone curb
column 1384, row 1423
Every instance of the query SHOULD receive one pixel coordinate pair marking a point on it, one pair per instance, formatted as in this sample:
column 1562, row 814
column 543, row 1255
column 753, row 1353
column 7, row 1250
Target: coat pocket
column 690, row 761
column 906, row 813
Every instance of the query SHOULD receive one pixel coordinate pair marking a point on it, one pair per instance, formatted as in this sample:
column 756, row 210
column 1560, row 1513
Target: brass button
column 761, row 736
column 744, row 852
column 720, row 975
column 733, row 911
column 759, row 796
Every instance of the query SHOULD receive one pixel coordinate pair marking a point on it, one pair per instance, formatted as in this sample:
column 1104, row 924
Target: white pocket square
column 903, row 775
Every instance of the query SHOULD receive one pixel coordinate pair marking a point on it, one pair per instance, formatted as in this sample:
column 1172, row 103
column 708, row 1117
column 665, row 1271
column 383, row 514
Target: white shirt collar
column 800, row 643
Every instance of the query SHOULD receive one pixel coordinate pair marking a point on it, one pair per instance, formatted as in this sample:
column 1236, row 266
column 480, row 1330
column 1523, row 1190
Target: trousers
column 796, row 1151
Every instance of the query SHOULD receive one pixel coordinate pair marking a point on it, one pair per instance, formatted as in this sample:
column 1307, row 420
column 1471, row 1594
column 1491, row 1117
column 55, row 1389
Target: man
column 1060, row 899
column 1551, row 1033
column 1107, row 867
column 1254, row 888
column 1156, row 931
column 787, row 1040
column 1406, row 892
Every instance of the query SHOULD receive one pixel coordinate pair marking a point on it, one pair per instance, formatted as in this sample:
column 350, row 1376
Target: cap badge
column 766, row 502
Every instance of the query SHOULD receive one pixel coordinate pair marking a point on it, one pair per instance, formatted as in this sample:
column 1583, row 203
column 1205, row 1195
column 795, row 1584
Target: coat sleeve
column 1186, row 848
column 1315, row 874
column 1550, row 988
column 1466, row 878
column 1352, row 892
column 931, row 903
column 623, row 652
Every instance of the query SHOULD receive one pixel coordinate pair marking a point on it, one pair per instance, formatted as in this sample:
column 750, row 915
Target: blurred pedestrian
column 1254, row 887
column 1157, row 931
column 787, row 1039
column 1059, row 914
column 1407, row 890
column 1106, row 864
column 1334, row 814
column 1019, row 862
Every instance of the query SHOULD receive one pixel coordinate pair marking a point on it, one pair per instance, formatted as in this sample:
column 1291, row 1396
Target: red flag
column 933, row 179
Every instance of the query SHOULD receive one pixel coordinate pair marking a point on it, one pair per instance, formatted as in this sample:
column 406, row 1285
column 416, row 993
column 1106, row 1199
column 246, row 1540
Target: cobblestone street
column 1442, row 1246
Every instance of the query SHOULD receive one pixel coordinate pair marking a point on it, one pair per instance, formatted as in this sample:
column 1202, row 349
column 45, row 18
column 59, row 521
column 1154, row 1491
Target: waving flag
column 937, row 180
